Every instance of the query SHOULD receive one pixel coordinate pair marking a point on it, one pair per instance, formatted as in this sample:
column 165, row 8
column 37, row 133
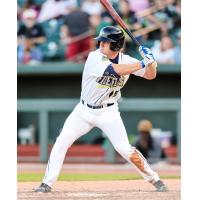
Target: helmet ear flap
column 116, row 46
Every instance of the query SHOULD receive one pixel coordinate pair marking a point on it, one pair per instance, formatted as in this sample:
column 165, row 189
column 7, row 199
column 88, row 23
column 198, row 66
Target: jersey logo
column 110, row 81
column 104, row 58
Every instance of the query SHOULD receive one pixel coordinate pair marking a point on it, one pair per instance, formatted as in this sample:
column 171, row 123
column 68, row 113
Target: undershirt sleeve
column 109, row 71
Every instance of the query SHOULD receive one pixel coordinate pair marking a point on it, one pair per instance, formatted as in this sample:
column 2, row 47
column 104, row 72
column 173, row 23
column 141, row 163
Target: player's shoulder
column 95, row 54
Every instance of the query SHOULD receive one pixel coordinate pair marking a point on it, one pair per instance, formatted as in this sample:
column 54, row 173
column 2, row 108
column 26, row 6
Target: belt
column 97, row 107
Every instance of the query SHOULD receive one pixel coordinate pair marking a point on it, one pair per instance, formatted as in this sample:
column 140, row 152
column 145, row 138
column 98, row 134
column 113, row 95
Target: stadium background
column 48, row 89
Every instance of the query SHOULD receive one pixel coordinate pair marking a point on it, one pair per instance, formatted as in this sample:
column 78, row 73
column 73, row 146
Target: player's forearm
column 125, row 69
column 151, row 71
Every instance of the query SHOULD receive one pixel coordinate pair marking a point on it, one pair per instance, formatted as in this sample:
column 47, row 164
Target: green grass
column 24, row 177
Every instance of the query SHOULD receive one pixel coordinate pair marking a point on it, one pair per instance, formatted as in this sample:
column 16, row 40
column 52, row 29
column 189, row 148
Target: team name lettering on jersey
column 110, row 82
column 110, row 78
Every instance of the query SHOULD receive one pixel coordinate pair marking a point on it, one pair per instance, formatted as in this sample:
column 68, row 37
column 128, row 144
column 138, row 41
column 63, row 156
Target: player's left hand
column 146, row 62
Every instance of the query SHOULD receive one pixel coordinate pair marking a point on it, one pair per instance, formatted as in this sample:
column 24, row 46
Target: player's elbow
column 150, row 77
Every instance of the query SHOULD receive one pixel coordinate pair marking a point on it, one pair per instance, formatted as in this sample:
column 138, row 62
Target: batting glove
column 145, row 62
column 147, row 56
column 145, row 52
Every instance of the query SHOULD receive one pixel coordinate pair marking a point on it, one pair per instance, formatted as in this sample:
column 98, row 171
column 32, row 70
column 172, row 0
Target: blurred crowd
column 55, row 30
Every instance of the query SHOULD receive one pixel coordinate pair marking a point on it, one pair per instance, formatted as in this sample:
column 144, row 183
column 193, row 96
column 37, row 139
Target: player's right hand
column 147, row 56
column 145, row 52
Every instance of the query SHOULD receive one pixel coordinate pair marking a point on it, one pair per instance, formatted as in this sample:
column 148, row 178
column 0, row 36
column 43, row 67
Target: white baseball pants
column 80, row 122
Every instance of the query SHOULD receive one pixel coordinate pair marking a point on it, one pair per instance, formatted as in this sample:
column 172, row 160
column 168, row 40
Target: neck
column 112, row 54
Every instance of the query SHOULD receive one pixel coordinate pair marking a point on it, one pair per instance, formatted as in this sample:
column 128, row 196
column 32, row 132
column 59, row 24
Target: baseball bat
column 118, row 19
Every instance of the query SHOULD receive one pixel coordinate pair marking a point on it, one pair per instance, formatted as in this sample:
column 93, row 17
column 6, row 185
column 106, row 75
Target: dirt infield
column 101, row 190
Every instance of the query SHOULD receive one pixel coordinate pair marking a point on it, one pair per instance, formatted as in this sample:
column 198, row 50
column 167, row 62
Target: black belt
column 97, row 107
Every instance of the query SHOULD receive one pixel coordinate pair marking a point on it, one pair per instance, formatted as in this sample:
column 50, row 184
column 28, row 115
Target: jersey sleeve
column 131, row 60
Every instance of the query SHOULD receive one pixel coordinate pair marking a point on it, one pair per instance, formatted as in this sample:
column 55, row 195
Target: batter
column 106, row 71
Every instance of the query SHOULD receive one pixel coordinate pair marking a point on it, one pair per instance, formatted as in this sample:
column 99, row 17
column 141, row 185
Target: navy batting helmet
column 113, row 35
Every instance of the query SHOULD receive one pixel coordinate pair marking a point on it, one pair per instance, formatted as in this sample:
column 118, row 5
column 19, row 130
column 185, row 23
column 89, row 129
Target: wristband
column 142, row 64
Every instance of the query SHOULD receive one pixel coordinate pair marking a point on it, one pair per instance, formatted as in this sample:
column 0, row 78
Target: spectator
column 149, row 22
column 104, row 20
column 105, row 15
column 75, row 33
column 131, row 20
column 146, row 144
column 92, row 7
column 30, row 4
column 144, row 140
column 174, row 14
column 164, row 50
column 55, row 8
column 128, row 16
column 98, row 22
column 30, row 36
column 168, row 15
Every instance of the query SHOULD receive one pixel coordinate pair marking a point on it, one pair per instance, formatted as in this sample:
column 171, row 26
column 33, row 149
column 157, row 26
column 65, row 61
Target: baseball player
column 105, row 72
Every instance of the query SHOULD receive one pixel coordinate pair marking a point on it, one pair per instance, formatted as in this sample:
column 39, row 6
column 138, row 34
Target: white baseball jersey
column 100, row 83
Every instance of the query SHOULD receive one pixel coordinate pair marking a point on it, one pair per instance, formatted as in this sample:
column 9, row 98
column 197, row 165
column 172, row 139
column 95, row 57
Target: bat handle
column 132, row 37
